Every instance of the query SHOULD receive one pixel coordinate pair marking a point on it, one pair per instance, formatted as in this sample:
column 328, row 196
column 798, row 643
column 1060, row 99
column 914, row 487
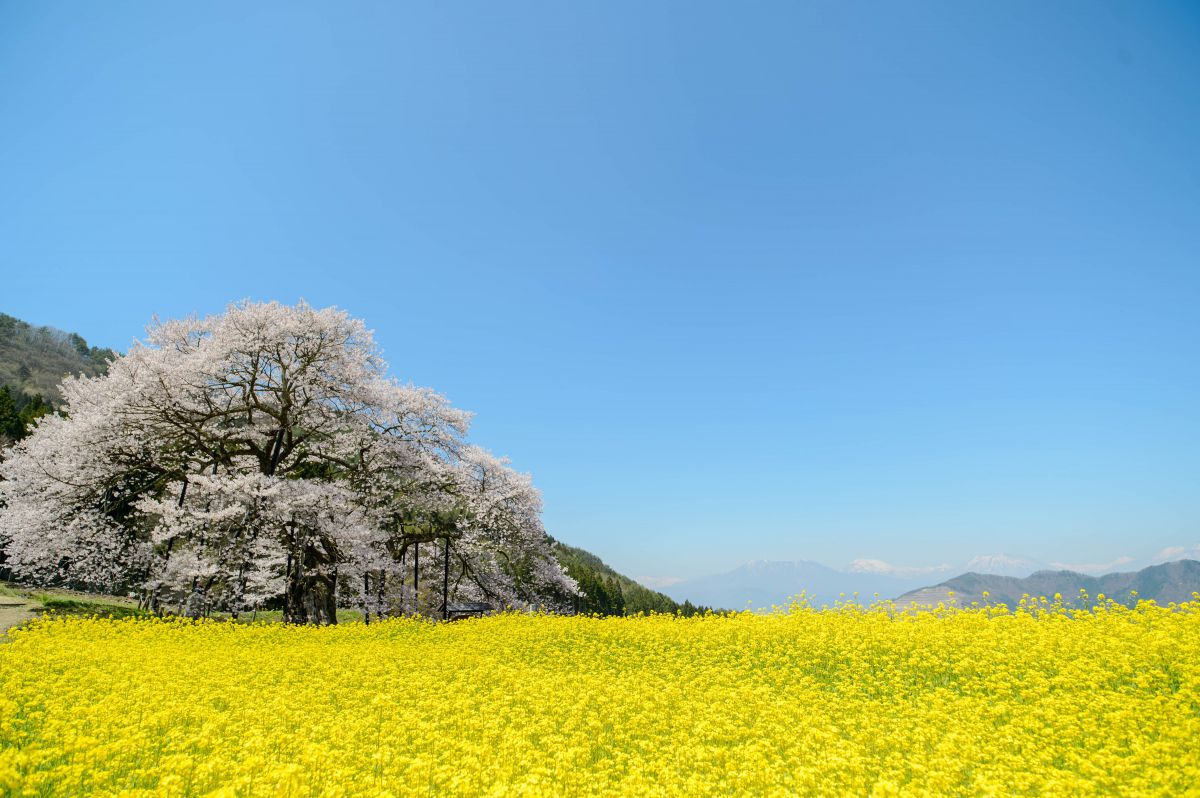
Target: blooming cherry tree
column 263, row 454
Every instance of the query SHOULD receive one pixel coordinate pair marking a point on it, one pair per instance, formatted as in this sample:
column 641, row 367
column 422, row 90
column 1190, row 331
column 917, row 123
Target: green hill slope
column 607, row 592
column 33, row 361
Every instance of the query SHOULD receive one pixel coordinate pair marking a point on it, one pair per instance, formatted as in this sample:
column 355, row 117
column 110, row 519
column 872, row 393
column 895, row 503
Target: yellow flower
column 1035, row 700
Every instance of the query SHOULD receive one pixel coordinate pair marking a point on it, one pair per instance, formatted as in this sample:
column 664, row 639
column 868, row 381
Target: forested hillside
column 610, row 593
column 33, row 360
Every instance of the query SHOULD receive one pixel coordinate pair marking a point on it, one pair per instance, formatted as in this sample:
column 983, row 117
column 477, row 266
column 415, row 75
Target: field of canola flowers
column 836, row 702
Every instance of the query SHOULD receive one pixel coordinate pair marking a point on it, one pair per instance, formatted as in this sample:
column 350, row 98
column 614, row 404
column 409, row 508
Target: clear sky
column 796, row 280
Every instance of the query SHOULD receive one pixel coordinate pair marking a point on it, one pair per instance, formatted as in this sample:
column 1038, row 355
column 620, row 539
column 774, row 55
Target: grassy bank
column 20, row 604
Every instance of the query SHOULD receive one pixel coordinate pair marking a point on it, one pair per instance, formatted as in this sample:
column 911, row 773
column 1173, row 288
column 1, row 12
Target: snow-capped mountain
column 1003, row 565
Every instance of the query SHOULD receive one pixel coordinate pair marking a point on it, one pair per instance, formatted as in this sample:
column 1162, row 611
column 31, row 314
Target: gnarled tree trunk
column 311, row 595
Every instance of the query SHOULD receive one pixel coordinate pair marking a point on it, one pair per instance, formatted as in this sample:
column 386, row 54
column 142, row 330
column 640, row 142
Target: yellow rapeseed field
column 858, row 702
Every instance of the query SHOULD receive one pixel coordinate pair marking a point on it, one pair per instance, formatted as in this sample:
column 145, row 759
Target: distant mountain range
column 1166, row 583
column 764, row 584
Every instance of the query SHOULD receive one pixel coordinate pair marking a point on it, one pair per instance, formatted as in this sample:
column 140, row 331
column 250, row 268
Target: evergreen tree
column 616, row 599
column 76, row 340
column 11, row 427
column 33, row 408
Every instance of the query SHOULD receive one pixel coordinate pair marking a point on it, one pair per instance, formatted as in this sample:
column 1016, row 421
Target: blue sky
column 828, row 281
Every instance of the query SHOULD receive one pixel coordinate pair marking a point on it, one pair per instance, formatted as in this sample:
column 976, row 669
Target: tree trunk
column 366, row 608
column 311, row 588
column 380, row 587
column 310, row 599
column 194, row 605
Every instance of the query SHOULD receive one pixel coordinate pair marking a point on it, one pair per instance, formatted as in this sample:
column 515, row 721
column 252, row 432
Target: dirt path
column 14, row 611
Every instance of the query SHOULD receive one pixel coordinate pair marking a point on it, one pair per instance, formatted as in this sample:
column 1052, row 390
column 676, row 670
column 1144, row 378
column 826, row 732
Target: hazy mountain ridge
column 1165, row 583
column 762, row 583
column 1004, row 565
